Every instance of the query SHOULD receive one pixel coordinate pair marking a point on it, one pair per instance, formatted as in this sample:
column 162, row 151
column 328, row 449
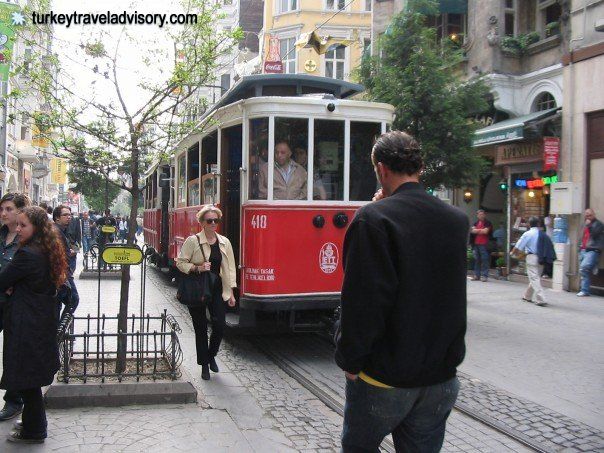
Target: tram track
column 335, row 400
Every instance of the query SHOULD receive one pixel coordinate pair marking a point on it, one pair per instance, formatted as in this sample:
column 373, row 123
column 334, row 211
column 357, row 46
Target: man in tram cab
column 289, row 178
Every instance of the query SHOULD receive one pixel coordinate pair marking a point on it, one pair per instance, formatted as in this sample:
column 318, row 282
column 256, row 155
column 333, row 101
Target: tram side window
column 193, row 176
column 258, row 149
column 181, row 197
column 363, row 182
column 291, row 160
column 209, row 164
column 328, row 164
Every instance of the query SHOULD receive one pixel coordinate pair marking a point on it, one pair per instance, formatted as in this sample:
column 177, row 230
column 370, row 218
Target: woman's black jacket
column 31, row 354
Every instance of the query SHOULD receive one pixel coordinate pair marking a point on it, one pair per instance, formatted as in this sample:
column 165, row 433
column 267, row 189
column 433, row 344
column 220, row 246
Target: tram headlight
column 331, row 107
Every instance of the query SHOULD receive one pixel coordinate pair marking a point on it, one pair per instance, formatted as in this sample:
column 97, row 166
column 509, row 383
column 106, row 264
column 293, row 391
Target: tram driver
column 289, row 178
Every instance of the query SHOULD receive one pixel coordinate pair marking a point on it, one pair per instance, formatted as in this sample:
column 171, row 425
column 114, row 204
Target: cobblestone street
column 254, row 405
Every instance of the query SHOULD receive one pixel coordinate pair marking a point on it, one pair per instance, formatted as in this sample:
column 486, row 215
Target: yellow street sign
column 122, row 255
column 108, row 229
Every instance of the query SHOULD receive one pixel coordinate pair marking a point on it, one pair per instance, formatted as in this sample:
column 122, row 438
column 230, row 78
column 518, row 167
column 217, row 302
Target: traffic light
column 503, row 185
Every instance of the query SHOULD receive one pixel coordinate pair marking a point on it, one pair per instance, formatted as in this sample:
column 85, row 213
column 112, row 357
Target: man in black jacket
column 403, row 308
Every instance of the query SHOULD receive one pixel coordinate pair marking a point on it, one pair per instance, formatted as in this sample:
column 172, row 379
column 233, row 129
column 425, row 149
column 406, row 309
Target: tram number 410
column 259, row 221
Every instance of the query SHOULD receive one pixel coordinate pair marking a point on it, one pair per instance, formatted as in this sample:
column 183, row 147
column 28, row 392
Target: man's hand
column 231, row 301
column 378, row 195
column 351, row 377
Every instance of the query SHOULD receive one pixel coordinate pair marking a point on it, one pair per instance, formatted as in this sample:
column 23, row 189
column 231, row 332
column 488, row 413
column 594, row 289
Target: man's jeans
column 588, row 263
column 86, row 244
column 416, row 417
column 481, row 261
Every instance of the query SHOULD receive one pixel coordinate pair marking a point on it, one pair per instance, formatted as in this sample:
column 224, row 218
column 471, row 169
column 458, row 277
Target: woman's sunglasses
column 212, row 220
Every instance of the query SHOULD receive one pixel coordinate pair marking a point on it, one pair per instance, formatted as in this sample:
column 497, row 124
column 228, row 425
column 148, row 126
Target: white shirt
column 528, row 241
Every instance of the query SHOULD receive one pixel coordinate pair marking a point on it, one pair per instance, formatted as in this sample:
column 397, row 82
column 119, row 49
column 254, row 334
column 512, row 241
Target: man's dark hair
column 49, row 210
column 56, row 213
column 399, row 151
column 107, row 211
column 44, row 205
column 534, row 221
column 20, row 200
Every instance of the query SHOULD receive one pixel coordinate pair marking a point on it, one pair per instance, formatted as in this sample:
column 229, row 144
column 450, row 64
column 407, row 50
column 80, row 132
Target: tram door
column 230, row 155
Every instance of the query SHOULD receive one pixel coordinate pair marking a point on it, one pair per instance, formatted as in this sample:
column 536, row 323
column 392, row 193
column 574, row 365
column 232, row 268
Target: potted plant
column 502, row 270
column 517, row 45
column 552, row 29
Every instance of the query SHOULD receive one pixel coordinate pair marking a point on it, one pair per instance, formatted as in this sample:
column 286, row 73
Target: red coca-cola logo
column 273, row 67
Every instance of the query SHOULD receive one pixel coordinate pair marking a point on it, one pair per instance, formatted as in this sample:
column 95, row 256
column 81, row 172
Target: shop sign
column 536, row 183
column 519, row 153
column 498, row 136
column 122, row 255
column 10, row 17
column 551, row 153
column 273, row 63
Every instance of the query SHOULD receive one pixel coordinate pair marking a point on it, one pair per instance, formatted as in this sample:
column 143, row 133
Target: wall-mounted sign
column 310, row 66
column 519, row 153
column 273, row 67
column 272, row 62
column 58, row 169
column 10, row 17
column 122, row 255
column 536, row 183
column 551, row 153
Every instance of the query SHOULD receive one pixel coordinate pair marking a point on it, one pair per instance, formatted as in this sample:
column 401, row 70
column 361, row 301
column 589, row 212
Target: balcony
column 25, row 152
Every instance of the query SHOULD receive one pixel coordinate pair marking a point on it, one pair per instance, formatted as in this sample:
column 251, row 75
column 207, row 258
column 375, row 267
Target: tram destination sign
column 119, row 254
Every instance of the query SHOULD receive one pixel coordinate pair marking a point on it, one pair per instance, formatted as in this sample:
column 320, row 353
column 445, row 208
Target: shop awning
column 509, row 130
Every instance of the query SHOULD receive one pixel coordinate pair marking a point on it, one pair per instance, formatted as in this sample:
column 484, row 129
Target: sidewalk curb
column 64, row 396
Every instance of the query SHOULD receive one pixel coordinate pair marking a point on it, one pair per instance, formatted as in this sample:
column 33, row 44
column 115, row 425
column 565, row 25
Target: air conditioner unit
column 565, row 198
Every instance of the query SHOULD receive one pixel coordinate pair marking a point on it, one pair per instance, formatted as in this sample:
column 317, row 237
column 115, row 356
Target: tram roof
column 287, row 85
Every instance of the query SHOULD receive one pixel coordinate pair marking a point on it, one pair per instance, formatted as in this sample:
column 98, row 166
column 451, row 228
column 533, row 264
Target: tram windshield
column 322, row 153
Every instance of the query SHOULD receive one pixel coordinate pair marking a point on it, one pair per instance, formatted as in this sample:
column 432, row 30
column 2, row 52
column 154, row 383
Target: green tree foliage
column 97, row 190
column 420, row 77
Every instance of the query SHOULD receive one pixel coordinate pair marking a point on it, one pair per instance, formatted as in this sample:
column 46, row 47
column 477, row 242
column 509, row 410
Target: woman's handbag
column 196, row 289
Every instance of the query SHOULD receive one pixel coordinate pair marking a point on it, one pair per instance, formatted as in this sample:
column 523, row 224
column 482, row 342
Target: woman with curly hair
column 31, row 354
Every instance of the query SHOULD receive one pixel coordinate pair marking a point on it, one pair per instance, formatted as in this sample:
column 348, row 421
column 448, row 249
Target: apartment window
column 366, row 46
column 288, row 54
column 335, row 4
column 24, row 126
column 510, row 17
column 449, row 25
column 548, row 11
column 544, row 101
column 27, row 59
column 287, row 5
column 335, row 58
column 368, row 5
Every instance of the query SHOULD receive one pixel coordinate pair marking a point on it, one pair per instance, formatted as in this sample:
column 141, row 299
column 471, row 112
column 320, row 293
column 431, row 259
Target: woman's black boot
column 205, row 372
column 213, row 365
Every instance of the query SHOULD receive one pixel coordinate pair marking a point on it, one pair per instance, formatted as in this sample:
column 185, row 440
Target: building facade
column 286, row 20
column 582, row 160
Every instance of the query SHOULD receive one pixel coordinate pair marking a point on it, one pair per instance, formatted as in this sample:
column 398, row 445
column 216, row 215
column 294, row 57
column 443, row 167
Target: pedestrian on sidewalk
column 480, row 233
column 31, row 354
column 592, row 244
column 68, row 296
column 10, row 204
column 208, row 251
column 546, row 254
column 87, row 232
column 529, row 244
column 403, row 320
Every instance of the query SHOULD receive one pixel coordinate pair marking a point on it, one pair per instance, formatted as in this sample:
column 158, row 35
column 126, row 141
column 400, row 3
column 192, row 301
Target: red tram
column 288, row 243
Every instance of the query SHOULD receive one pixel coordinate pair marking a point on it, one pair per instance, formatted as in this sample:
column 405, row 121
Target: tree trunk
column 106, row 195
column 122, row 323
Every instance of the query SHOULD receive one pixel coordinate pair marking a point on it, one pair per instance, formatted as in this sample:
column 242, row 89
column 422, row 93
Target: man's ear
column 383, row 170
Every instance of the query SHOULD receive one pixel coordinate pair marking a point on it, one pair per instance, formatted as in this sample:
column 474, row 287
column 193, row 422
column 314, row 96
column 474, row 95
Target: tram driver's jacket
column 404, row 292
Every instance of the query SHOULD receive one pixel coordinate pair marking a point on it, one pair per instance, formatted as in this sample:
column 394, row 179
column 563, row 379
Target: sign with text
column 272, row 63
column 551, row 153
column 273, row 67
column 519, row 153
column 10, row 17
column 122, row 255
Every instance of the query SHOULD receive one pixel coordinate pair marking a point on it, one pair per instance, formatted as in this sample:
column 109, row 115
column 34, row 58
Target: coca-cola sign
column 273, row 67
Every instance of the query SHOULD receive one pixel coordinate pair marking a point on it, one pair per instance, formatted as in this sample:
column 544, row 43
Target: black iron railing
column 151, row 344
column 92, row 261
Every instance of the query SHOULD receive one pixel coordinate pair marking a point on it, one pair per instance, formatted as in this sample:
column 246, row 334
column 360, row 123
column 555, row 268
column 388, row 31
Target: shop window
column 193, row 187
column 291, row 160
column 328, row 165
column 258, row 149
column 544, row 101
column 363, row 182
column 288, row 54
column 335, row 59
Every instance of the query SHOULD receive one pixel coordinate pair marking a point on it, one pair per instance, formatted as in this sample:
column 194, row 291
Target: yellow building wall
column 354, row 22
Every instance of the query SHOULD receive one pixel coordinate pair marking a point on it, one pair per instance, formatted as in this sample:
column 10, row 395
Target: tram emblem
column 328, row 258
